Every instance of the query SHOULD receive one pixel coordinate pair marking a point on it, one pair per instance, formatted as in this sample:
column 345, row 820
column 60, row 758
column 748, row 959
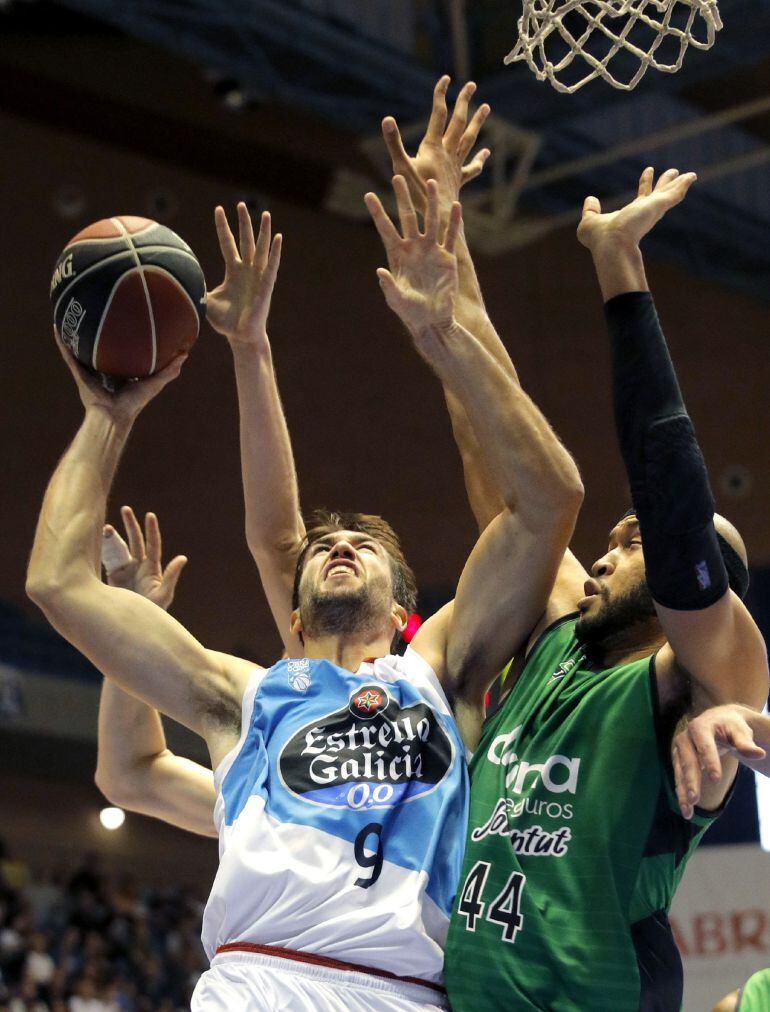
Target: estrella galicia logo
column 371, row 753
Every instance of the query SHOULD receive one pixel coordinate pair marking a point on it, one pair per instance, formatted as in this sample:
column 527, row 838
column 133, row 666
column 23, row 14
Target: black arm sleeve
column 666, row 471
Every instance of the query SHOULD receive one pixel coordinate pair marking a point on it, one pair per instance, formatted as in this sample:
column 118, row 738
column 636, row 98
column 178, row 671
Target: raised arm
column 135, row 769
column 715, row 652
column 238, row 309
column 446, row 154
column 126, row 637
column 509, row 574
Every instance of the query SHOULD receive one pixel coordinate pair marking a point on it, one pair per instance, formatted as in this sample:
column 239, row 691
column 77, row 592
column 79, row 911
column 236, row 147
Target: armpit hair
column 220, row 711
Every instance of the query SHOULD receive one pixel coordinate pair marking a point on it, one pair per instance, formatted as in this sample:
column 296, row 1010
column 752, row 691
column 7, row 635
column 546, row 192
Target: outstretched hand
column 137, row 565
column 444, row 150
column 239, row 307
column 628, row 225
column 696, row 749
column 421, row 285
column 125, row 403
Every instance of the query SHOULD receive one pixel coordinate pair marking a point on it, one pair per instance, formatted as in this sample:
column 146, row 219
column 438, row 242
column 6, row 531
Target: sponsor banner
column 721, row 920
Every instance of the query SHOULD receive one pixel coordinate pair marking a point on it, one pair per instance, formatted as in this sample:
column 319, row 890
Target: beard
column 331, row 613
column 615, row 618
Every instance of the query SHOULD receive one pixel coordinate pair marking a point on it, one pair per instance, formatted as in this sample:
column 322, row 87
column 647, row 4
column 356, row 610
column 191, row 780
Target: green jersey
column 575, row 844
column 755, row 993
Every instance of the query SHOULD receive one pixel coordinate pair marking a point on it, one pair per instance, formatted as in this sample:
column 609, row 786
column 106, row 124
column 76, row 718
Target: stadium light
column 112, row 818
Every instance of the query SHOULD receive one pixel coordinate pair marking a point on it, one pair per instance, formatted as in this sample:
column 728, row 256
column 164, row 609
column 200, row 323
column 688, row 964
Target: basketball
column 128, row 296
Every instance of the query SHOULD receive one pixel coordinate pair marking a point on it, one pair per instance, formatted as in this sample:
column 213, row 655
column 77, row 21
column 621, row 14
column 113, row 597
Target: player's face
column 616, row 596
column 345, row 559
column 346, row 582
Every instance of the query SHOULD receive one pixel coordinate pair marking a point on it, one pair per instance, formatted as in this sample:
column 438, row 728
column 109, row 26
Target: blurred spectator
column 13, row 872
column 92, row 942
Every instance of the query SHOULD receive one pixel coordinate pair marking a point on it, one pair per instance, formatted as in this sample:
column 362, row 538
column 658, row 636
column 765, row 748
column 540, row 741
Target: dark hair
column 324, row 522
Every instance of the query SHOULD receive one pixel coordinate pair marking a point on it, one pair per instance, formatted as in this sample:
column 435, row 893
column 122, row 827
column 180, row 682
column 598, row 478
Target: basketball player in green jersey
column 576, row 841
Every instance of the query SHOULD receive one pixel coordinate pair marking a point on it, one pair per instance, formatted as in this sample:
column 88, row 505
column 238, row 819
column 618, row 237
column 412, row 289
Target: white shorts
column 252, row 982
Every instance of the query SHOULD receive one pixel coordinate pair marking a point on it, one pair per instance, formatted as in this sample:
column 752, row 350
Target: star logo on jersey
column 367, row 702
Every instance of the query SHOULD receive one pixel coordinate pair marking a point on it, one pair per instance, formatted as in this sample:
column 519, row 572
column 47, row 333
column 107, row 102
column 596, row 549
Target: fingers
column 225, row 236
column 681, row 791
column 171, row 576
column 395, row 145
column 645, row 182
column 263, row 241
column 687, row 772
column 458, row 122
column 154, row 545
column 743, row 741
column 115, row 552
column 591, row 205
column 261, row 305
column 151, row 386
column 389, row 288
column 273, row 263
column 79, row 373
column 674, row 189
column 665, row 178
column 682, row 184
column 476, row 166
column 671, row 185
column 383, row 224
column 134, row 533
column 245, row 233
column 453, row 227
column 437, row 121
column 470, row 136
column 704, row 743
column 406, row 212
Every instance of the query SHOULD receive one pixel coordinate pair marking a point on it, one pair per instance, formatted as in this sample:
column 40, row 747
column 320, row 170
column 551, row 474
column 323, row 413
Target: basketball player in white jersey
column 136, row 770
column 341, row 787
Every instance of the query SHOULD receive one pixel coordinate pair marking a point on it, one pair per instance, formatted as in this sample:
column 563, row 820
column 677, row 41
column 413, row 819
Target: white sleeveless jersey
column 341, row 815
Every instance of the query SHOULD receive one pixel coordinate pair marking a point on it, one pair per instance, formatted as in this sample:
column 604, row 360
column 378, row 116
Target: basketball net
column 614, row 27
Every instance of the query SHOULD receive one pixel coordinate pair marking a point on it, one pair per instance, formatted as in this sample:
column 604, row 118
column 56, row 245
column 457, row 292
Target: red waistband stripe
column 328, row 962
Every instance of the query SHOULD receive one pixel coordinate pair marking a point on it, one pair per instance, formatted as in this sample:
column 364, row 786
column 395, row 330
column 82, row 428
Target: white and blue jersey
column 341, row 815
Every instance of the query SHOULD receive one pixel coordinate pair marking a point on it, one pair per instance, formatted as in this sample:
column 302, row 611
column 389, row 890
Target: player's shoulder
column 237, row 667
column 412, row 669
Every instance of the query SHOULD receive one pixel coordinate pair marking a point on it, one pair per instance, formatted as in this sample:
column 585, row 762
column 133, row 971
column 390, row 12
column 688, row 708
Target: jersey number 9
column 373, row 861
